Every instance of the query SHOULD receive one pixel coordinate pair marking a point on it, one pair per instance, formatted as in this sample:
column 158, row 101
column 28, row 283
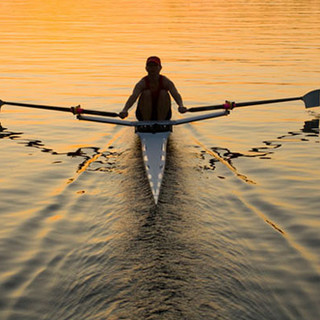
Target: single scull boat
column 154, row 134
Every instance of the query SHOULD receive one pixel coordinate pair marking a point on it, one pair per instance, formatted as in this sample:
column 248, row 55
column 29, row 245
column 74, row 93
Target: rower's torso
column 154, row 84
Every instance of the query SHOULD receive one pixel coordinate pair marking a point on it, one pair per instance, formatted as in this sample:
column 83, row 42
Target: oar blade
column 312, row 99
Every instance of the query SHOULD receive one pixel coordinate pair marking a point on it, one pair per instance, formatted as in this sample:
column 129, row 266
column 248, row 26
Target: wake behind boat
column 154, row 135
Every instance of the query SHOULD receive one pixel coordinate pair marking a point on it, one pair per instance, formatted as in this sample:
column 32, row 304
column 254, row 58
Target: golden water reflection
column 73, row 209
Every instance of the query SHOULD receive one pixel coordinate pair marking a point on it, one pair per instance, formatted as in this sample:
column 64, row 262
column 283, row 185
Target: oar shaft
column 101, row 113
column 252, row 103
column 242, row 104
column 74, row 110
column 37, row 106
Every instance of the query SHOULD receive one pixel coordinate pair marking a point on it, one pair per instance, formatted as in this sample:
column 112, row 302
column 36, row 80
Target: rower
column 153, row 92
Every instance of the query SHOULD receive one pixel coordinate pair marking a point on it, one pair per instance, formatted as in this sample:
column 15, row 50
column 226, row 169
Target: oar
column 74, row 110
column 311, row 99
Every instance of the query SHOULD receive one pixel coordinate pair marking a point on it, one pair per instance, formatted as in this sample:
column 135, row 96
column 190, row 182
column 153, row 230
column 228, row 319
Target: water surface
column 236, row 231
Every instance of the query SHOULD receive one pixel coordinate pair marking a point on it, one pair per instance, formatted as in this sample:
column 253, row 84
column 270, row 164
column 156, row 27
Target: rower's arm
column 132, row 99
column 176, row 96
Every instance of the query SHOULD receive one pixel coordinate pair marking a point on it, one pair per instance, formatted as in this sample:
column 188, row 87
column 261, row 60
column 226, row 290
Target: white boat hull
column 154, row 152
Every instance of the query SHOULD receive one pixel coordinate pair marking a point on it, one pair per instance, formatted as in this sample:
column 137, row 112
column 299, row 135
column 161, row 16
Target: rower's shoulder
column 141, row 84
column 142, row 80
column 167, row 83
column 166, row 80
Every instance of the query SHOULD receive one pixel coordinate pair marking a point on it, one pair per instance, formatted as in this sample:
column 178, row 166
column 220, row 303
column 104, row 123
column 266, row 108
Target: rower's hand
column 123, row 114
column 182, row 109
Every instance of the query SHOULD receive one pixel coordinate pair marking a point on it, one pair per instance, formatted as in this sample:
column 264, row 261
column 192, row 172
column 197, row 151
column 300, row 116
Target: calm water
column 236, row 234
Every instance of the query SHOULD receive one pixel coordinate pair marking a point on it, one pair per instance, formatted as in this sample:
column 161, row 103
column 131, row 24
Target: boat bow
column 154, row 150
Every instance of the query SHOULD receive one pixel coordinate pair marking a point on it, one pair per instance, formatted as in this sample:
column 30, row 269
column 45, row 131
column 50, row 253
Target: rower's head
column 153, row 65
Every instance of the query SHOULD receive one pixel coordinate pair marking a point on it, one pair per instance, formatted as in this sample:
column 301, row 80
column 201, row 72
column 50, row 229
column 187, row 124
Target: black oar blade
column 312, row 99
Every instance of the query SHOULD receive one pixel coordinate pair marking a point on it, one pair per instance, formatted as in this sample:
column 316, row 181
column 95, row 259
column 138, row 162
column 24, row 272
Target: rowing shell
column 154, row 136
column 154, row 154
